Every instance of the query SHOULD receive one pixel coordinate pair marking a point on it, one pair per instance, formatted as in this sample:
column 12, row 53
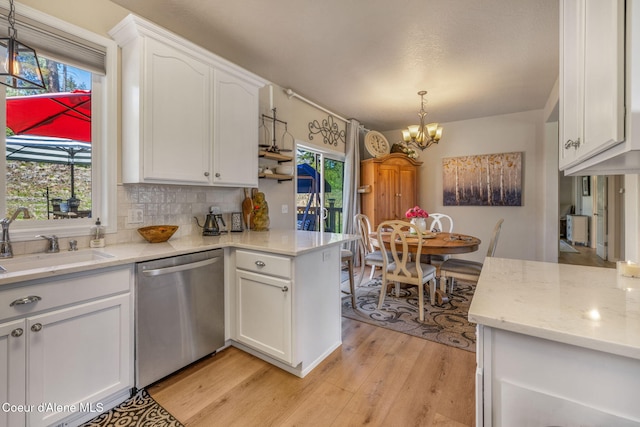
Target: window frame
column 104, row 105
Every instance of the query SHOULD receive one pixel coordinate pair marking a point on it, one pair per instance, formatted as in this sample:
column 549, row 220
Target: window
column 66, row 179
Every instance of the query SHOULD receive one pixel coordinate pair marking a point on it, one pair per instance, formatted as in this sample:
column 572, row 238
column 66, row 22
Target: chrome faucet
column 53, row 243
column 6, row 251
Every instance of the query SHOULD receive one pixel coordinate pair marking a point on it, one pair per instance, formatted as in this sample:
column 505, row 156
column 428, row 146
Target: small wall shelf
column 280, row 158
column 279, row 177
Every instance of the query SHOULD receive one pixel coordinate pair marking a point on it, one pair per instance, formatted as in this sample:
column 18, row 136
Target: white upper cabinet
column 591, row 79
column 600, row 87
column 235, row 153
column 188, row 116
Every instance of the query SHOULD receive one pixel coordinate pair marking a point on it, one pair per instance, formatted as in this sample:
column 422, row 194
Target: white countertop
column 589, row 307
column 283, row 242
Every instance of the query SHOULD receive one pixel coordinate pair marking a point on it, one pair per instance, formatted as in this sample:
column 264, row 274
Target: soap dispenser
column 97, row 235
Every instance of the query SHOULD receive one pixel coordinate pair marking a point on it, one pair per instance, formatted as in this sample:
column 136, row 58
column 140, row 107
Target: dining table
column 435, row 243
column 440, row 243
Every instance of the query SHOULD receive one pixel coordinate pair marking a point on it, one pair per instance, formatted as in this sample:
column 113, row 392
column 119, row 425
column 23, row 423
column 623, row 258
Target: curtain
column 350, row 196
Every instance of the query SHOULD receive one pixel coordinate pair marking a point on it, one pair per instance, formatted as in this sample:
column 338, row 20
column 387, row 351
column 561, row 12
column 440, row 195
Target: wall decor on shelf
column 330, row 131
column 482, row 180
column 269, row 142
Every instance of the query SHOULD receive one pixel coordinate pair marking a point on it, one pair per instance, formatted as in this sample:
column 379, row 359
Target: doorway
column 319, row 184
column 600, row 199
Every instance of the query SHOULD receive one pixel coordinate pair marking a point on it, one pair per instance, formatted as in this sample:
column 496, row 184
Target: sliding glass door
column 320, row 177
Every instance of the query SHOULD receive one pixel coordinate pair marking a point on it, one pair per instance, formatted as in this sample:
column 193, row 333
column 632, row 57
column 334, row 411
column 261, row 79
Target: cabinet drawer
column 264, row 263
column 63, row 290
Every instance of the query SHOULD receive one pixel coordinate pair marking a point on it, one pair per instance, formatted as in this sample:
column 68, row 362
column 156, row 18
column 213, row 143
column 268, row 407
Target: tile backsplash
column 171, row 204
column 160, row 204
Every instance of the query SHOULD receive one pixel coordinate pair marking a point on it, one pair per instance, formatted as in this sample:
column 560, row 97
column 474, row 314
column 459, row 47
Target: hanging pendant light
column 422, row 136
column 19, row 67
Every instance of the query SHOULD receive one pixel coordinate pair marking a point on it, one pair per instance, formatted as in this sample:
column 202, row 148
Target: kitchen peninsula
column 557, row 345
column 282, row 304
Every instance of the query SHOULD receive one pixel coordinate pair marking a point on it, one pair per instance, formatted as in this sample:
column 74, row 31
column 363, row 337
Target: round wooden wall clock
column 376, row 144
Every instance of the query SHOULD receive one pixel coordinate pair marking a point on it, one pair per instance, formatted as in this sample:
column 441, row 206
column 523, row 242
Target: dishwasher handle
column 182, row 267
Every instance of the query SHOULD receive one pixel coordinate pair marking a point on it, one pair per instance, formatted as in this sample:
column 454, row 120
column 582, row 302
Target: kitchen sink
column 44, row 260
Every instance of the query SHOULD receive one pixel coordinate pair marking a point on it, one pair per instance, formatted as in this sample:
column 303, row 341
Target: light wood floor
column 586, row 256
column 377, row 377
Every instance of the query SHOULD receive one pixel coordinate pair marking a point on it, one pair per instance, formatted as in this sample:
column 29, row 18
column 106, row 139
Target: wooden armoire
column 388, row 186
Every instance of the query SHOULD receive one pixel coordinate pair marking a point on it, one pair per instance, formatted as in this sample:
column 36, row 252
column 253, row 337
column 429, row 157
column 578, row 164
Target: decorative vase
column 420, row 223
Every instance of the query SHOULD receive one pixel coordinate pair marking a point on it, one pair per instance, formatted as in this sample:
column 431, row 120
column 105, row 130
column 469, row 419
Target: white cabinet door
column 264, row 314
column 177, row 116
column 591, row 78
column 533, row 381
column 235, row 155
column 78, row 355
column 603, row 76
column 12, row 371
column 571, row 79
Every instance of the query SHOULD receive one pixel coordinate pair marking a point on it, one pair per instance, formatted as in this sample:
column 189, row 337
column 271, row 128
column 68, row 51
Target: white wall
column 523, row 228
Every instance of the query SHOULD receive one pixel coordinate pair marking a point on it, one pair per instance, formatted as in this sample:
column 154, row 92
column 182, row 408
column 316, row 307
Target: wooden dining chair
column 397, row 265
column 369, row 254
column 467, row 270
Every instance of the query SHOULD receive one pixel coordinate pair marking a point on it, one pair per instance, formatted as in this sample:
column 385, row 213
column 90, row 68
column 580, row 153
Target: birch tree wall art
column 483, row 180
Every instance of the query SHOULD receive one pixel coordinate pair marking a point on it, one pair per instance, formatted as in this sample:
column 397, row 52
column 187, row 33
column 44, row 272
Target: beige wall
column 297, row 114
column 523, row 226
column 98, row 16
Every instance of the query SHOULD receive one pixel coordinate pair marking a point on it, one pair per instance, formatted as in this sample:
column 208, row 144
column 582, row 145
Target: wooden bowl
column 157, row 233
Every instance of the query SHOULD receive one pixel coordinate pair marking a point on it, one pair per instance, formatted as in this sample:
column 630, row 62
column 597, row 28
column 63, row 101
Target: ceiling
column 367, row 59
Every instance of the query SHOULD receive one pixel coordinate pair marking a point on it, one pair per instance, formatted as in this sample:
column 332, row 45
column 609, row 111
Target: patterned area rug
column 446, row 324
column 139, row 410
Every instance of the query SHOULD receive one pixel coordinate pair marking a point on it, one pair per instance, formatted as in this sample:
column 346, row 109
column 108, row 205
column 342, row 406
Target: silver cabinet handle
column 217, row 175
column 26, row 300
column 571, row 143
column 285, row 289
column 206, row 174
column 36, row 327
column 17, row 332
column 260, row 263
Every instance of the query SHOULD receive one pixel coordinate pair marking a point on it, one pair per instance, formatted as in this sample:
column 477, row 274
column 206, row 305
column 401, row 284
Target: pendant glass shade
column 19, row 66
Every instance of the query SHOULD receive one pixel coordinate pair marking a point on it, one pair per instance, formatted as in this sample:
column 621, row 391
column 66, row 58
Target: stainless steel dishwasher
column 179, row 312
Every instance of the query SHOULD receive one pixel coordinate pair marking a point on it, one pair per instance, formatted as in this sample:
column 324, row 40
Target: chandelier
column 19, row 66
column 422, row 136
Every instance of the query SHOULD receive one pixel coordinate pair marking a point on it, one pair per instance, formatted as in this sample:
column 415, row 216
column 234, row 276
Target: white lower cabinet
column 65, row 364
column 286, row 310
column 523, row 380
column 264, row 314
column 12, row 372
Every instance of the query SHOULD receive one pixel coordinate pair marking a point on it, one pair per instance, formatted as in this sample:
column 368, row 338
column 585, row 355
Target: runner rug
column 139, row 410
column 446, row 324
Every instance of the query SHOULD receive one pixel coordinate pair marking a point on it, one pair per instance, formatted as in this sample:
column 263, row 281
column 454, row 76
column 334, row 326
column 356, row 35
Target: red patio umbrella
column 60, row 115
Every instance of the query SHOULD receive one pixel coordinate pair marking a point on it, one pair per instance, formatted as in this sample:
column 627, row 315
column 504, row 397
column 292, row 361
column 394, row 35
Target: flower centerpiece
column 418, row 217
